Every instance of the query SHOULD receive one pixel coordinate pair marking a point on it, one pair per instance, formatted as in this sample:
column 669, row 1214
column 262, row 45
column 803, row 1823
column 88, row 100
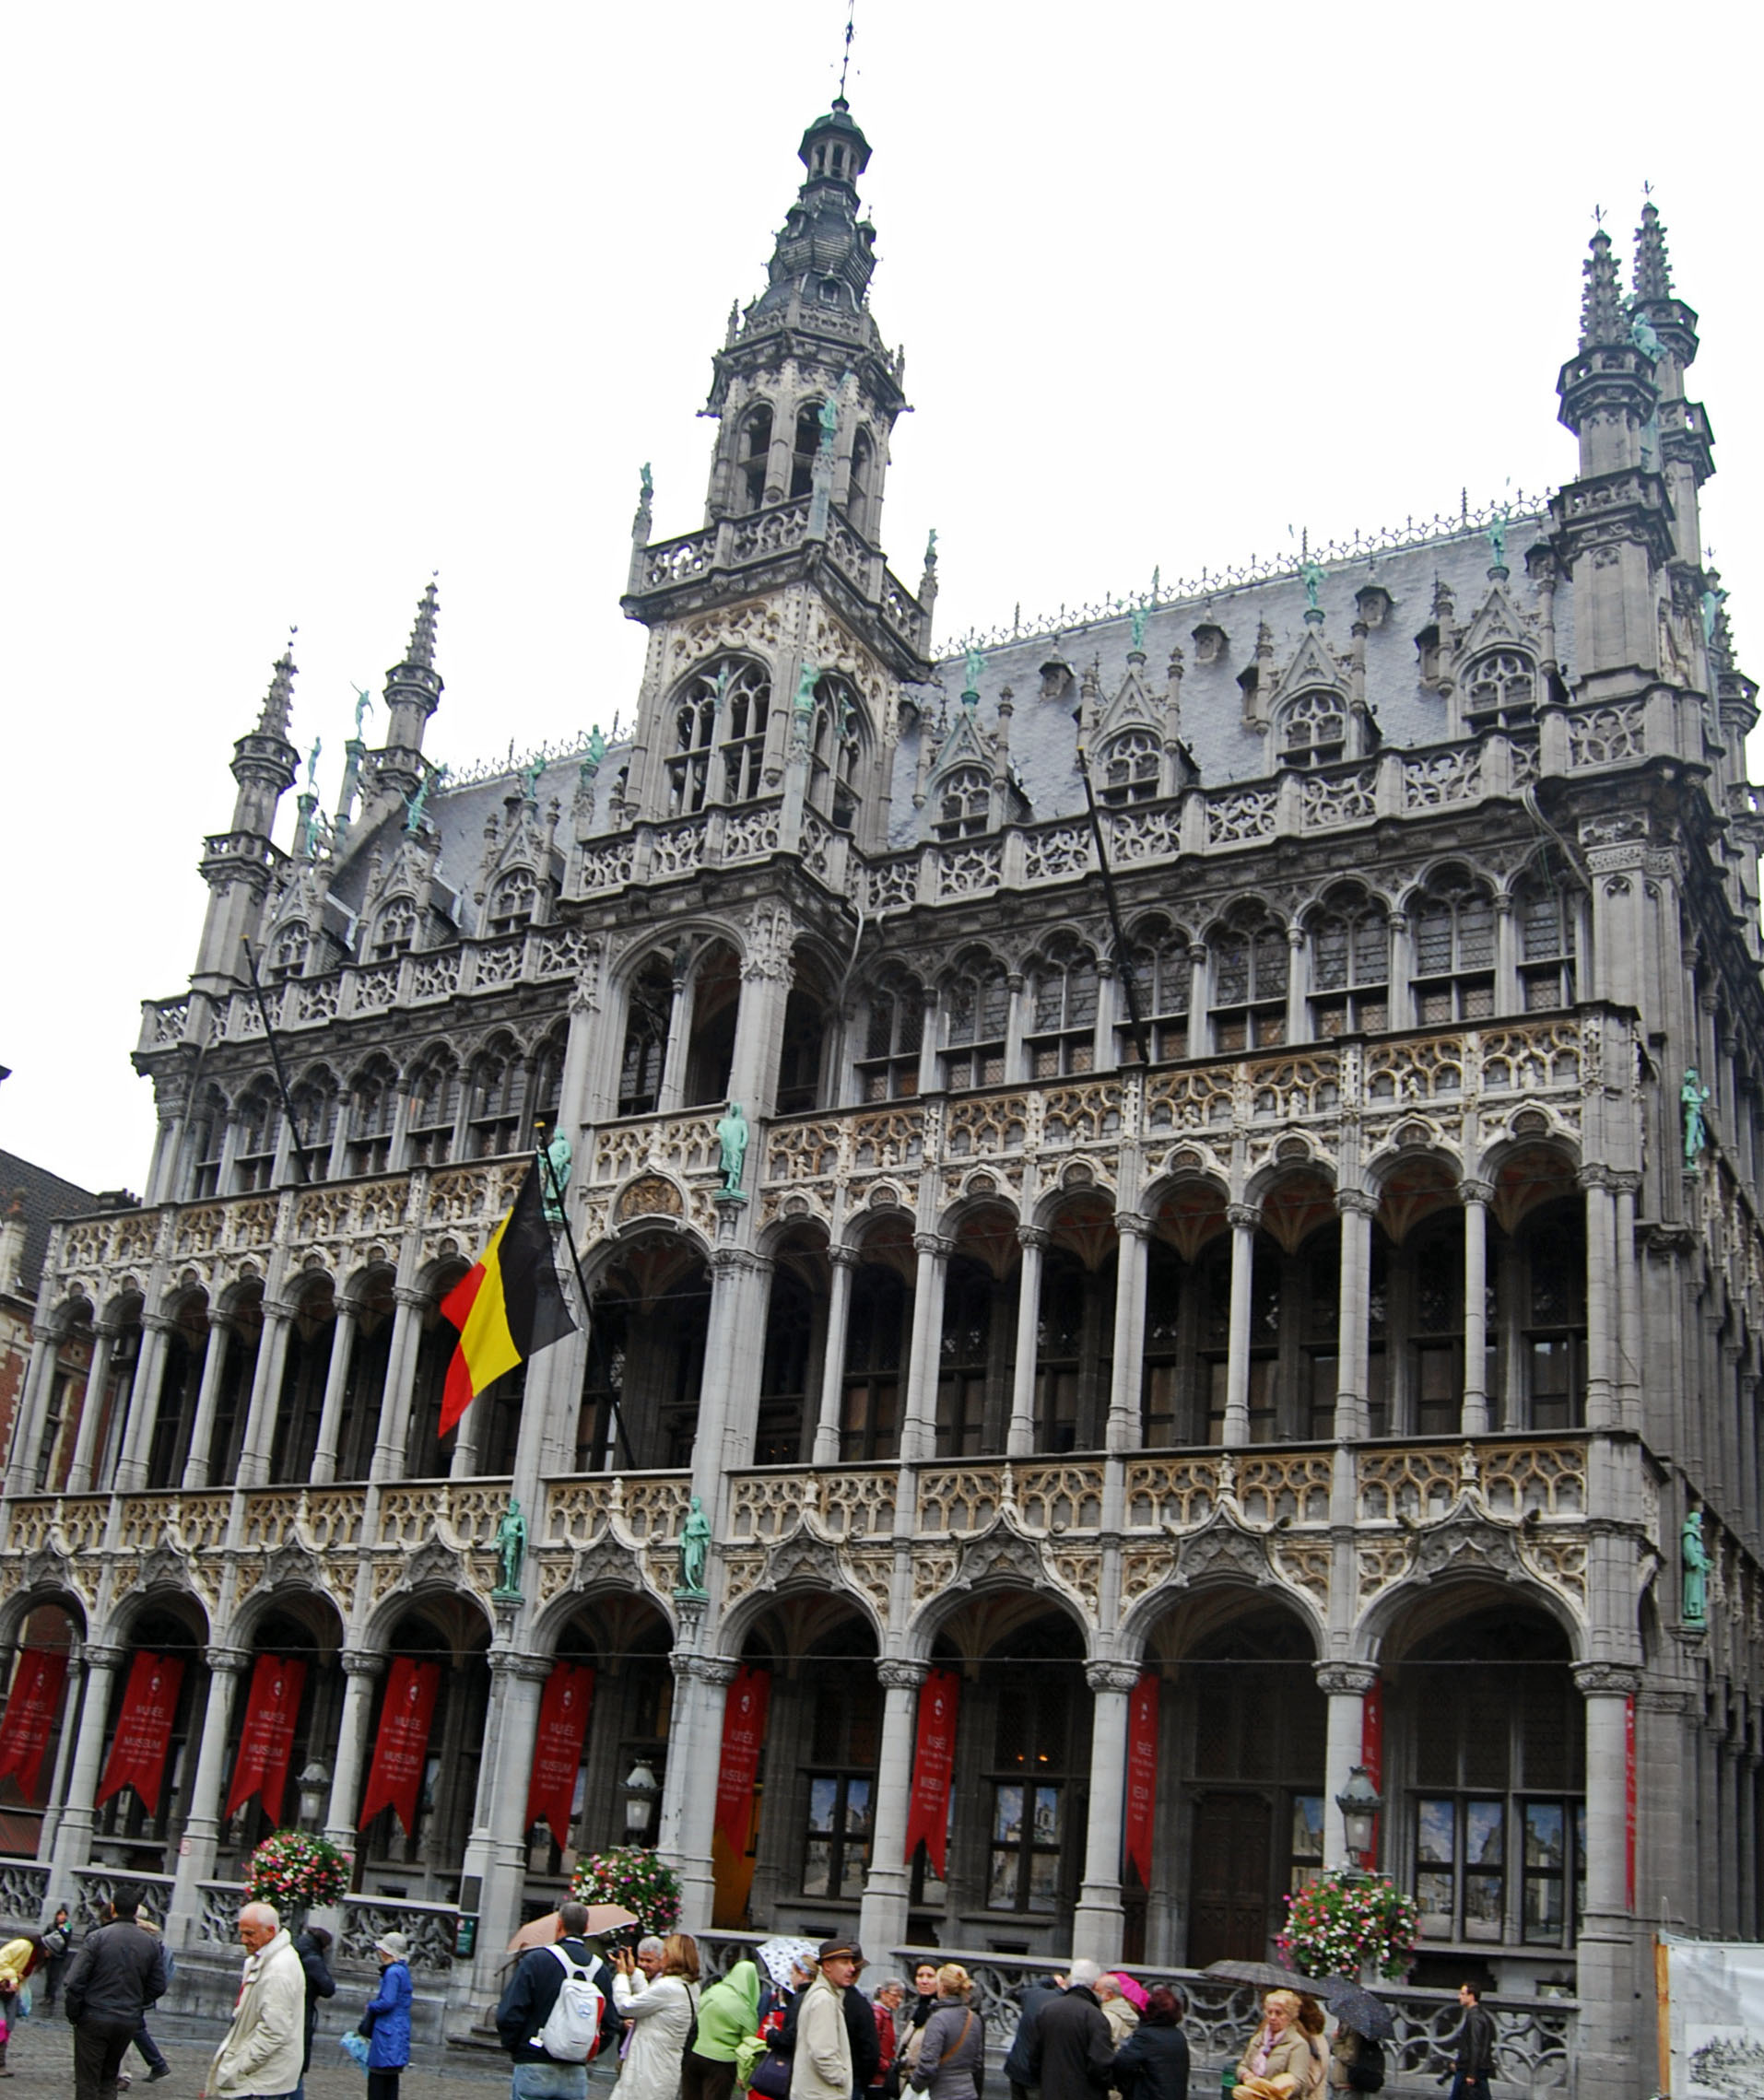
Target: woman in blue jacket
column 386, row 2023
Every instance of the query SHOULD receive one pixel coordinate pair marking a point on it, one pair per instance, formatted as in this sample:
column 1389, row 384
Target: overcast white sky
column 303, row 302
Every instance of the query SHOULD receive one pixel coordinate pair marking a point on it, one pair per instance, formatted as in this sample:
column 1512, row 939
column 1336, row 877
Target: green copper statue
column 511, row 1548
column 1139, row 618
column 530, row 779
column 555, row 1176
column 1712, row 605
column 1498, row 541
column 312, row 764
column 363, row 702
column 973, row 665
column 732, row 1140
column 1695, row 1569
column 829, row 420
column 649, row 485
column 1311, row 574
column 1694, row 1094
column 695, row 1547
column 1643, row 336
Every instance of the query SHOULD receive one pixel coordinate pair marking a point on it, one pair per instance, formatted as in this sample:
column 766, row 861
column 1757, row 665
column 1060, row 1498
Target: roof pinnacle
column 422, row 635
column 1602, row 318
column 1653, row 277
column 280, row 700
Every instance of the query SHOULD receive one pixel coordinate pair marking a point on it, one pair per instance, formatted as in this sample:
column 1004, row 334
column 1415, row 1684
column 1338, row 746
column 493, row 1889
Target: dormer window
column 1209, row 643
column 829, row 291
column 1501, row 693
column 512, row 901
column 964, row 803
column 1130, row 768
column 394, row 932
column 289, row 959
column 1313, row 730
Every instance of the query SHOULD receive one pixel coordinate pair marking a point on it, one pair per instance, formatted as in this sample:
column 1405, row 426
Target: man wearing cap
column 259, row 2056
column 821, row 2068
column 526, row 2006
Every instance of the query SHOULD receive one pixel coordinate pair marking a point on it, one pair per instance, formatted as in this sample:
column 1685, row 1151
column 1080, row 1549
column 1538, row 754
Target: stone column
column 1298, row 986
column 1200, row 1020
column 214, row 1366
column 688, row 1794
column 80, row 1477
column 74, row 1835
column 336, row 1379
column 265, row 1394
column 729, row 1391
column 839, row 1313
column 360, row 1667
column 144, row 1404
column 1746, row 1823
column 1128, row 1367
column 1606, row 1978
column 1629, row 1304
column 1475, row 1197
column 1020, row 1440
column 508, row 1753
column 1507, row 999
column 202, row 1825
column 1601, row 1299
column 388, row 1462
column 1097, row 1922
column 919, row 1425
column 1401, row 992
column 1357, row 1208
column 1345, row 1685
column 882, row 1922
column 1244, row 1219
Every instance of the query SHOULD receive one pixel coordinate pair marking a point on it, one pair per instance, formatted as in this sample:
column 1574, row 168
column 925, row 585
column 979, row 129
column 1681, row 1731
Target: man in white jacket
column 260, row 2057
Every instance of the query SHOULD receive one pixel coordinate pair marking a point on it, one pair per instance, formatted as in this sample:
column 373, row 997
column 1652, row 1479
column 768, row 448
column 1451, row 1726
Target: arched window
column 647, row 1015
column 545, row 1093
column 859, row 494
column 753, row 451
column 894, row 1023
column 258, row 1118
column 716, row 1001
column 1064, row 1020
column 287, row 957
column 1549, row 915
column 695, row 720
column 208, row 1136
column 1313, row 730
column 802, row 1051
column 499, row 1094
column 746, row 707
column 316, row 1109
column 1501, row 692
column 394, row 932
column 803, row 451
column 1163, row 978
column 1453, row 926
column 1130, row 767
column 374, row 1111
column 1350, row 968
column 877, row 1337
column 833, row 750
column 964, row 802
column 1551, row 1254
column 978, row 1005
column 434, row 1111
column 1250, row 969
column 512, row 901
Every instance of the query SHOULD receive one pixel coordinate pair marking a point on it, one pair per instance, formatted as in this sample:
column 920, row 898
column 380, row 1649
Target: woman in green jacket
column 728, row 2013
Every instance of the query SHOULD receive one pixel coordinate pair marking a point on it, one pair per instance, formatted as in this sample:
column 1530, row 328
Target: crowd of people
column 792, row 2025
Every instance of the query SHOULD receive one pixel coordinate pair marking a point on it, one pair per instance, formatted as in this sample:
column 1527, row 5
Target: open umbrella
column 1263, row 1974
column 1358, row 2009
column 542, row 1931
column 1132, row 1990
column 607, row 1917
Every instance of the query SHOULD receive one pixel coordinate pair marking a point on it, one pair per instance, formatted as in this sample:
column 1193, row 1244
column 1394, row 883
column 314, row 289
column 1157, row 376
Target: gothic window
column 802, row 1054
column 1131, row 763
column 785, row 1409
column 978, row 1005
column 859, row 493
column 1313, row 730
column 754, row 450
column 647, row 1015
column 1163, row 980
column 512, row 901
column 745, row 709
column 1453, row 932
column 1501, row 692
column 287, row 957
column 316, row 1109
column 1250, row 969
column 1064, row 1020
column 833, row 750
column 1350, row 968
column 394, row 931
column 717, row 1003
column 434, row 1111
column 207, row 1134
column 965, row 1352
column 545, row 1093
column 258, row 1124
column 893, row 1025
column 844, row 1745
column 1028, row 1795
column 964, row 802
column 689, row 769
column 1549, row 915
column 875, row 1347
column 806, row 444
column 1553, row 1257
column 496, row 1120
column 373, row 1109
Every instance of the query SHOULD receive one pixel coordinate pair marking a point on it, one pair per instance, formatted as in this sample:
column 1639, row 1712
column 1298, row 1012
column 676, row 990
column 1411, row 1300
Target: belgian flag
column 506, row 1308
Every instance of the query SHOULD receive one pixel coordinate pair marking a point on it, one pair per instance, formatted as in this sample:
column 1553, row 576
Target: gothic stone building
column 1295, row 1287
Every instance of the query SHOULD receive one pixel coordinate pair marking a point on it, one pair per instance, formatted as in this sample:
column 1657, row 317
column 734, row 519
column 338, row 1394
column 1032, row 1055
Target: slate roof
column 47, row 1198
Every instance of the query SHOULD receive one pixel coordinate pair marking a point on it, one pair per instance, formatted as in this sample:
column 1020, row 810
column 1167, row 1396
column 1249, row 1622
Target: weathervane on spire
column 851, row 11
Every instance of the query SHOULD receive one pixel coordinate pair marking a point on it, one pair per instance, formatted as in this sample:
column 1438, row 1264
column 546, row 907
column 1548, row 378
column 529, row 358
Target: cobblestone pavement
column 40, row 2056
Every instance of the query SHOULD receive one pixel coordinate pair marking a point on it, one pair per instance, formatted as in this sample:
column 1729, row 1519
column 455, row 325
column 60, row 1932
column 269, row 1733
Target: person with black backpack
column 553, row 2015
column 1356, row 2062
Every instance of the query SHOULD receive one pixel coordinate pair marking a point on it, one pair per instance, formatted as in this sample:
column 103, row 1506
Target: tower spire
column 280, row 700
column 1652, row 271
column 413, row 692
column 1602, row 318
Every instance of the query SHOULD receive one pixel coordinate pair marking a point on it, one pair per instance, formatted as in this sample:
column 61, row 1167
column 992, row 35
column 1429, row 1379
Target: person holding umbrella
column 1362, row 2022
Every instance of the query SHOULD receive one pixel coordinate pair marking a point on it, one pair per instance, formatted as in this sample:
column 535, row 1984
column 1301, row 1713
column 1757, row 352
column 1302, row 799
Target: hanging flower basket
column 634, row 1877
column 294, row 1871
column 1344, row 1924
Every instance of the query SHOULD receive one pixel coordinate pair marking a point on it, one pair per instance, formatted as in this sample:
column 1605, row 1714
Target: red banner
column 1371, row 1749
column 934, row 1759
column 1142, row 1772
column 1628, row 1803
column 395, row 1776
column 31, row 1715
column 744, row 1732
column 557, row 1749
column 272, row 1707
column 143, row 1730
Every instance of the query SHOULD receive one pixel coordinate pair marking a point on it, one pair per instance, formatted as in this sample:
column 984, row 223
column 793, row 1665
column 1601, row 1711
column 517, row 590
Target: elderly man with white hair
column 1072, row 2052
column 259, row 2056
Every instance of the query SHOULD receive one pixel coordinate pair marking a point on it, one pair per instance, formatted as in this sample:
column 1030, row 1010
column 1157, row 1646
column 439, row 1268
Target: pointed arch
column 891, row 1037
column 495, row 1114
column 1350, row 936
column 394, row 930
column 1060, row 1037
column 373, row 1115
column 1311, row 728
column 976, row 1006
column 431, row 1125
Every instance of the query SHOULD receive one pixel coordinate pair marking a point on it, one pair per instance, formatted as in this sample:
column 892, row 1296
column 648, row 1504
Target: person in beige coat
column 1282, row 2049
column 821, row 2067
column 260, row 2053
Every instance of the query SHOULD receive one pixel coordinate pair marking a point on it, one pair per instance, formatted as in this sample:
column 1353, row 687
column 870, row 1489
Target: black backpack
column 1366, row 2073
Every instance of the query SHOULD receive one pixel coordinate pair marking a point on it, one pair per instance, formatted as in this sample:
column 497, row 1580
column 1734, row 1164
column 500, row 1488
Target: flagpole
column 543, row 1157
